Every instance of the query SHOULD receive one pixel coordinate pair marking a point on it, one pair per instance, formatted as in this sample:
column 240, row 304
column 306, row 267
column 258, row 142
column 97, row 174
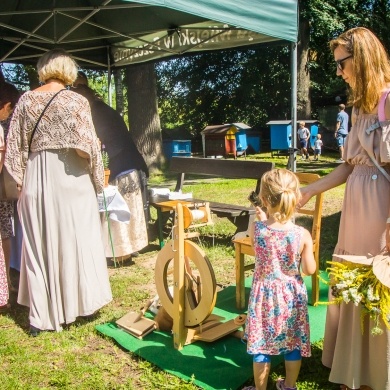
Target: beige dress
column 357, row 359
column 63, row 268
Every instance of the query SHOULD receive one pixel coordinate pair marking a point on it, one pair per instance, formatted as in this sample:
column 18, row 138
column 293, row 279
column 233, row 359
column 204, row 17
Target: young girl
column 277, row 322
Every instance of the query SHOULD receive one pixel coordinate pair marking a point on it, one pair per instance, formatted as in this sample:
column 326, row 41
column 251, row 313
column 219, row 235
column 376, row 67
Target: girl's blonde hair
column 370, row 63
column 57, row 64
column 280, row 189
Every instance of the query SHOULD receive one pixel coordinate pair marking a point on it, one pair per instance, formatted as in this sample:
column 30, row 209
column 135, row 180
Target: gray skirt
column 63, row 268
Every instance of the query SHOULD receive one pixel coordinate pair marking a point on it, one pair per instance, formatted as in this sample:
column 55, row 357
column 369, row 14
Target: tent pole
column 109, row 77
column 292, row 157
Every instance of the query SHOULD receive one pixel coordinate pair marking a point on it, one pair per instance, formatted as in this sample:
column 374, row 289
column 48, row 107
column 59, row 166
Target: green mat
column 223, row 364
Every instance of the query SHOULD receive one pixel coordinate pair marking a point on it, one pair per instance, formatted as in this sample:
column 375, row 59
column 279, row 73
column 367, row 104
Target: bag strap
column 40, row 117
column 381, row 118
column 383, row 171
column 381, row 106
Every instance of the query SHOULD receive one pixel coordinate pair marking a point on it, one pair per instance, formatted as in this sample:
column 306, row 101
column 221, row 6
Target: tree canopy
column 253, row 86
column 250, row 85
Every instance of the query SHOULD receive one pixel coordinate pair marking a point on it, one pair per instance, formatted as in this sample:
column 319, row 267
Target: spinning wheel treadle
column 192, row 315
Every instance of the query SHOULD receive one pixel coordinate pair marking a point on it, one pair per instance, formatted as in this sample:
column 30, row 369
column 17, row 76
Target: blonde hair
column 280, row 189
column 319, row 136
column 57, row 64
column 370, row 63
column 302, row 123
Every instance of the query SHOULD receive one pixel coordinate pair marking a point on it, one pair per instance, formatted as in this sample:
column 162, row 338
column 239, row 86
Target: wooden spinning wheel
column 194, row 312
column 186, row 307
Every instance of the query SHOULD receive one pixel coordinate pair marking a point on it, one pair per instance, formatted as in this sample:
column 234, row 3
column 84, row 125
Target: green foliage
column 21, row 76
column 228, row 86
column 253, row 86
column 97, row 80
column 248, row 85
column 105, row 159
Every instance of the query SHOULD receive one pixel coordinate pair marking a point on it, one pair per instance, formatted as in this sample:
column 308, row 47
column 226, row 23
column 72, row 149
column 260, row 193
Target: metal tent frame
column 115, row 33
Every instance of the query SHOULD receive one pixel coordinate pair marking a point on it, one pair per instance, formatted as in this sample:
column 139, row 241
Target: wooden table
column 162, row 207
column 243, row 246
column 238, row 215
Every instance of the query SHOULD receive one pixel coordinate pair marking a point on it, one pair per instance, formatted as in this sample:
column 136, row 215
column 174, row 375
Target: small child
column 317, row 148
column 277, row 321
column 304, row 140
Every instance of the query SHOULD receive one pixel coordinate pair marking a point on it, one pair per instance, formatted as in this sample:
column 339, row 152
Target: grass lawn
column 81, row 358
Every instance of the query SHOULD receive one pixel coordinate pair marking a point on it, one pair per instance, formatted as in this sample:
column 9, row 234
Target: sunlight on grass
column 80, row 358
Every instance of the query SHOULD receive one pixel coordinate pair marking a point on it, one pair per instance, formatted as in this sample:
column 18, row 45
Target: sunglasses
column 340, row 63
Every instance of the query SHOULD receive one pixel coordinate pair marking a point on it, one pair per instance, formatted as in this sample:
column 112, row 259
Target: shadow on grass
column 312, row 376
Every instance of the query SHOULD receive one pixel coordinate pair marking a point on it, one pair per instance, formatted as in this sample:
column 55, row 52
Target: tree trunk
column 144, row 120
column 303, row 92
column 118, row 81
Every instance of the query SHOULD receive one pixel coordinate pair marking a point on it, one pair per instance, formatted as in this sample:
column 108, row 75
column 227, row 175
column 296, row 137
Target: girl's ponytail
column 280, row 188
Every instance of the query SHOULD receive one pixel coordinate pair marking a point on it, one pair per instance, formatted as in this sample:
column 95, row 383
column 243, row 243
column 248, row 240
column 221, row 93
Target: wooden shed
column 228, row 140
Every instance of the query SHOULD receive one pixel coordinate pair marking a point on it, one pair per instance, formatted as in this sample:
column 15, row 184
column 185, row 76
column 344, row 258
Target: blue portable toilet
column 176, row 148
column 254, row 141
column 281, row 131
column 313, row 126
column 241, row 140
column 280, row 134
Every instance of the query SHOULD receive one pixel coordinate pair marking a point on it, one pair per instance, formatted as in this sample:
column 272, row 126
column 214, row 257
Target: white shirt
column 303, row 133
column 318, row 144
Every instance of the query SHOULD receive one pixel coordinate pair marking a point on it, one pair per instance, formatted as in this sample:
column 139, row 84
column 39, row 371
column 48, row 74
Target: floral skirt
column 6, row 218
column 131, row 237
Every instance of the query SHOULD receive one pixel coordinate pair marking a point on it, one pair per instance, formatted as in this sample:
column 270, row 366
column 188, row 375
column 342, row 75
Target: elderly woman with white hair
column 54, row 155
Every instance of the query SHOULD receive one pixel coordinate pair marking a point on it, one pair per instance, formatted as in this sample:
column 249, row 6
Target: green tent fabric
column 114, row 33
column 223, row 364
column 275, row 18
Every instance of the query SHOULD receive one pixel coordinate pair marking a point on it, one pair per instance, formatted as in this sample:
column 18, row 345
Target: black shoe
column 34, row 332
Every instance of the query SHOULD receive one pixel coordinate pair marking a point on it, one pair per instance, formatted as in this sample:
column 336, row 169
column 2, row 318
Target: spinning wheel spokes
column 194, row 312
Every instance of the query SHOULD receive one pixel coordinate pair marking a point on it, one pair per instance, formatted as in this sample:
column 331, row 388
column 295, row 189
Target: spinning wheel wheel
column 190, row 310
column 184, row 306
column 194, row 312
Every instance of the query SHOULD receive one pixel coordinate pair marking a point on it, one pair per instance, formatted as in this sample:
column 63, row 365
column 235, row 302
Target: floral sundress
column 277, row 321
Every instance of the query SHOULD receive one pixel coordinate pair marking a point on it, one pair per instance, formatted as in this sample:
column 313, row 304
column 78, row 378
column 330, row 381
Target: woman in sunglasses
column 359, row 360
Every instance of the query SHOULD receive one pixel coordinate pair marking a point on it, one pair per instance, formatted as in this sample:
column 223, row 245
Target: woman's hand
column 305, row 197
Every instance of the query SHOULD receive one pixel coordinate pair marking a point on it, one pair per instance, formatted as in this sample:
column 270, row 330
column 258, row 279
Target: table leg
column 160, row 227
column 240, row 277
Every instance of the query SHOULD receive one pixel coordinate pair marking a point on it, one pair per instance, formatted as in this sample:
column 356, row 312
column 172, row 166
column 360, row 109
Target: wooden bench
column 231, row 169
